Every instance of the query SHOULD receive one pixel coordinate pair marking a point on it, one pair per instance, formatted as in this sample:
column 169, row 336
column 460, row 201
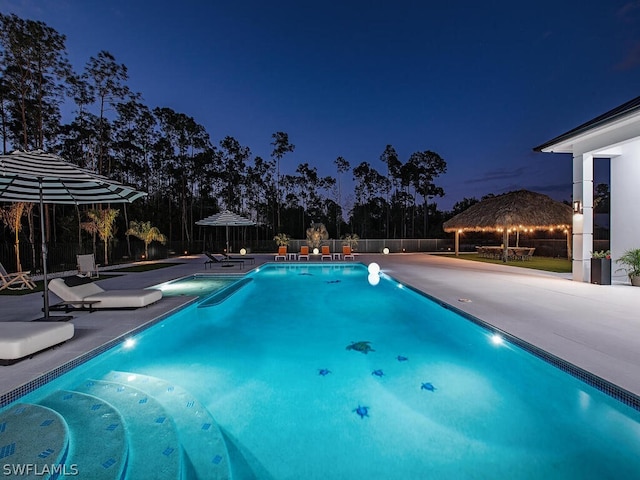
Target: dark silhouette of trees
column 170, row 156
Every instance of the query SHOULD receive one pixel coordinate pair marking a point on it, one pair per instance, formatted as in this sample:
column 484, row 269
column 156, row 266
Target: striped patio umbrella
column 40, row 177
column 226, row 219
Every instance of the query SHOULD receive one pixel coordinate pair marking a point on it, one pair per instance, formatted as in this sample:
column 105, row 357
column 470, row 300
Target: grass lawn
column 549, row 264
column 24, row 291
column 145, row 267
column 103, row 275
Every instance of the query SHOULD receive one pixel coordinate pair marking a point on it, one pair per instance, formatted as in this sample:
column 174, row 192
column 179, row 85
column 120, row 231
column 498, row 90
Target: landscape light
column 385, row 251
column 243, row 251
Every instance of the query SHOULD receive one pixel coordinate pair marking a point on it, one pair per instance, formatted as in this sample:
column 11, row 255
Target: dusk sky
column 479, row 82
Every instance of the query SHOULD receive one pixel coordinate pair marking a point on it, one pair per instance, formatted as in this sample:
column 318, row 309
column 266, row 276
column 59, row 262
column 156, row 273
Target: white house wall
column 625, row 203
column 618, row 140
column 582, row 244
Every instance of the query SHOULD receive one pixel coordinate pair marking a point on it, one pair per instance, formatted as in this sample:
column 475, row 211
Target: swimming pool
column 310, row 371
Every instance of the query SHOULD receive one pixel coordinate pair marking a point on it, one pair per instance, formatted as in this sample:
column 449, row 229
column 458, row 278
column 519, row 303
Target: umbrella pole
column 44, row 253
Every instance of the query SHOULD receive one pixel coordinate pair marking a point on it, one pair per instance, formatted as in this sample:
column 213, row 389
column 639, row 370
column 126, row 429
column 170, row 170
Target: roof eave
column 564, row 143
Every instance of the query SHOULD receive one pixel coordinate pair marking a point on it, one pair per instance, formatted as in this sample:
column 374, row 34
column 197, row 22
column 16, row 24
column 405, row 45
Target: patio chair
column 15, row 281
column 304, row 253
column 282, row 253
column 326, row 253
column 222, row 260
column 87, row 266
column 347, row 254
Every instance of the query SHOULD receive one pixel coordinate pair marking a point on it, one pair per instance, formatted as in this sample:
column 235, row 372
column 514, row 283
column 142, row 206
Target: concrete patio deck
column 594, row 327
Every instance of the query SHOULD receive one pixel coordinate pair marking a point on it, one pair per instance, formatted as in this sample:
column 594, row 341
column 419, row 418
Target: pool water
column 313, row 372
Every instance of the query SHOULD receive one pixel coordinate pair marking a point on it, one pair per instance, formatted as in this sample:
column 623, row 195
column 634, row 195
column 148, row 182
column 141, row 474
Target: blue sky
column 479, row 82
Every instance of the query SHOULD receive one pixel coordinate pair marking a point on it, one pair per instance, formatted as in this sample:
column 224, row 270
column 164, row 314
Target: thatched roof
column 519, row 210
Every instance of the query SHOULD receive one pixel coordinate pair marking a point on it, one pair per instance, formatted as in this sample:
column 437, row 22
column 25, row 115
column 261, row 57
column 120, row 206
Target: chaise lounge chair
column 282, row 253
column 81, row 293
column 326, row 253
column 223, row 260
column 347, row 253
column 241, row 258
column 15, row 281
column 304, row 253
column 87, row 266
column 22, row 339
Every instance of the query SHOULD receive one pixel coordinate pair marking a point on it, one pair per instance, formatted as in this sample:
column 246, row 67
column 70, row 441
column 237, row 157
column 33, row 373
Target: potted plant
column 351, row 240
column 601, row 267
column 282, row 239
column 631, row 261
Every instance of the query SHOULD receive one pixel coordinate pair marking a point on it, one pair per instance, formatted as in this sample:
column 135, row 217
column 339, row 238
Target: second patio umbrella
column 40, row 177
column 226, row 219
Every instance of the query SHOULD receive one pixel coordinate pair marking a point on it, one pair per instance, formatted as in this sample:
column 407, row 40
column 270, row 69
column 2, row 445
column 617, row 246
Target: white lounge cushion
column 107, row 298
column 20, row 339
column 125, row 298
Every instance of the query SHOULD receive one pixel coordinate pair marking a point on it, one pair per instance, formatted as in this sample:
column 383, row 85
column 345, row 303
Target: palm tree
column 102, row 222
column 12, row 218
column 145, row 232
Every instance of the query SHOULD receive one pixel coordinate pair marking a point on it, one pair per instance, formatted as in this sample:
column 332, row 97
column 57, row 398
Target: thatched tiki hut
column 519, row 211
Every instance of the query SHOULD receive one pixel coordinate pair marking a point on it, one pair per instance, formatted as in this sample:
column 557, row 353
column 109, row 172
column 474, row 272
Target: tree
column 281, row 146
column 601, row 198
column 12, row 218
column 425, row 167
column 102, row 222
column 390, row 158
column 106, row 86
column 370, row 183
column 147, row 233
column 342, row 166
column 181, row 146
column 34, row 67
column 463, row 204
column 232, row 167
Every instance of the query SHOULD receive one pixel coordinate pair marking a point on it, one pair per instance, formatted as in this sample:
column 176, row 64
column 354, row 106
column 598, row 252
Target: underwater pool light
column 129, row 343
column 497, row 339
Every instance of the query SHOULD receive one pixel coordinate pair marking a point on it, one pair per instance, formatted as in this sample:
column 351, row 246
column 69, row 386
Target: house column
column 583, row 222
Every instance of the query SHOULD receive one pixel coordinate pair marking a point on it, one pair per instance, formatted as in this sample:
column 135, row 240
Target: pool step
column 199, row 434
column 152, row 434
column 225, row 293
column 32, row 437
column 98, row 448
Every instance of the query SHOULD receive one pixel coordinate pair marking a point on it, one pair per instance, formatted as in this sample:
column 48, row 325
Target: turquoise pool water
column 313, row 372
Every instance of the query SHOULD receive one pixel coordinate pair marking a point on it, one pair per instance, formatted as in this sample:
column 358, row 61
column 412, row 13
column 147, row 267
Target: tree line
column 174, row 159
